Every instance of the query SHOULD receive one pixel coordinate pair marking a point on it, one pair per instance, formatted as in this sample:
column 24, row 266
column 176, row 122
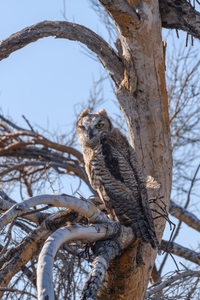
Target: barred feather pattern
column 123, row 191
column 114, row 172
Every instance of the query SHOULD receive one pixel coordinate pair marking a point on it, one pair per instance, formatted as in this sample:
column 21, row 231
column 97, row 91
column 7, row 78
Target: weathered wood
column 70, row 31
column 143, row 99
column 180, row 15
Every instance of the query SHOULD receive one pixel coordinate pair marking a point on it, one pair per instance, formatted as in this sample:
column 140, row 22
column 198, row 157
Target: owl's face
column 91, row 127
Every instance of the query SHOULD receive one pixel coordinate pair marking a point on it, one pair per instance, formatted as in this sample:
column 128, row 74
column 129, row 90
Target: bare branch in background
column 184, row 216
column 177, row 280
column 181, row 251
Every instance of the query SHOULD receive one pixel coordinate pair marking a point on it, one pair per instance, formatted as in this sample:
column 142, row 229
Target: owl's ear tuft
column 84, row 113
column 102, row 112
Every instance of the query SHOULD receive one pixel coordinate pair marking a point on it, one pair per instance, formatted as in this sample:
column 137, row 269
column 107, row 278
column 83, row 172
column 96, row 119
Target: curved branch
column 67, row 30
column 181, row 251
column 180, row 15
column 35, row 217
column 85, row 207
column 105, row 251
column 53, row 243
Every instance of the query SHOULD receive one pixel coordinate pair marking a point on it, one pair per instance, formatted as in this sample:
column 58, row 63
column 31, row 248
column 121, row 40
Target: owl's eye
column 99, row 126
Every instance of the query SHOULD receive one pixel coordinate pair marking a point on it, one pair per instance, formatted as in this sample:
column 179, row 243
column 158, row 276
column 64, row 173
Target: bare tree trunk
column 143, row 99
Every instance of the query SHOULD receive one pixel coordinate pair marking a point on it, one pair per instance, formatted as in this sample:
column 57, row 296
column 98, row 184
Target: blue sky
column 47, row 78
column 44, row 80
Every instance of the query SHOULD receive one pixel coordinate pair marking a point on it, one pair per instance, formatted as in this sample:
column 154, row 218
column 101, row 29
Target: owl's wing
column 126, row 207
column 143, row 197
column 116, row 184
column 124, row 185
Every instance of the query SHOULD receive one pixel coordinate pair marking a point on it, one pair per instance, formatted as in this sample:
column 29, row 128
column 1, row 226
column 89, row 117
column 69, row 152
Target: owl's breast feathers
column 114, row 172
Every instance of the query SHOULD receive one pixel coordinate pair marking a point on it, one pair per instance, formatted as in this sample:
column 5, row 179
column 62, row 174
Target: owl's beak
column 90, row 133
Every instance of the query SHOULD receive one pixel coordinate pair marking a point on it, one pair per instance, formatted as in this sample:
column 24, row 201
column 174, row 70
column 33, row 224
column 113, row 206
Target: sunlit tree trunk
column 143, row 99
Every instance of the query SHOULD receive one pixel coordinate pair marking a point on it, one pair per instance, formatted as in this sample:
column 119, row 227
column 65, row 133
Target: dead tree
column 137, row 69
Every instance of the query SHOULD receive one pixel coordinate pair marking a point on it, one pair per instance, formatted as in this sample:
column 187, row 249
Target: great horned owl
column 113, row 171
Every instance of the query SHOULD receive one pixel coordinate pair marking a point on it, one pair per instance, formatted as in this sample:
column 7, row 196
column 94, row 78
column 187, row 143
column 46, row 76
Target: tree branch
column 85, row 207
column 17, row 291
column 67, row 30
column 6, row 197
column 76, row 170
column 170, row 280
column 181, row 15
column 105, row 251
column 122, row 12
column 38, row 139
column 53, row 243
column 31, row 158
column 35, row 217
column 18, row 256
column 193, row 180
column 184, row 215
column 174, row 248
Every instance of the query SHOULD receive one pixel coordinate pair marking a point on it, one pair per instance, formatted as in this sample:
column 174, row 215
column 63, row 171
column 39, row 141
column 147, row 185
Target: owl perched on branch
column 113, row 171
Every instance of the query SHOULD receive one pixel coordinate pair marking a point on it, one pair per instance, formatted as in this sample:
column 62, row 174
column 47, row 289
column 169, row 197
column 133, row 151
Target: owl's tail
column 146, row 233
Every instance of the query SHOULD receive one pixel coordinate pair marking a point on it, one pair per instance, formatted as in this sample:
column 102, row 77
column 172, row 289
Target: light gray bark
column 82, row 206
column 53, row 243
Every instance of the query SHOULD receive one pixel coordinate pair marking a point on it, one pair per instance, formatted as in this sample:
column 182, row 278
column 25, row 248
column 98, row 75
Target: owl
column 113, row 171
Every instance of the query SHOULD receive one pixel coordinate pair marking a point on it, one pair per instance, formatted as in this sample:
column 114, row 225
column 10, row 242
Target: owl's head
column 91, row 127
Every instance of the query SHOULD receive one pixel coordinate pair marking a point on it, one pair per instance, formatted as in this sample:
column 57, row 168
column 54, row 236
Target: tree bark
column 143, row 99
column 180, row 14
